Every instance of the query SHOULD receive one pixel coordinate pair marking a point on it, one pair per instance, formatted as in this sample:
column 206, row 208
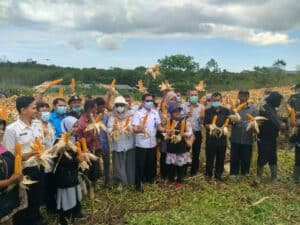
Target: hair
column 126, row 96
column 55, row 101
column 3, row 123
column 40, row 105
column 147, row 95
column 216, row 94
column 89, row 104
column 100, row 101
column 23, row 102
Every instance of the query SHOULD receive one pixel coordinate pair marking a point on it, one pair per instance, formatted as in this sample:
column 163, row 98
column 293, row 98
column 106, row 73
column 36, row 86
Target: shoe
column 169, row 183
column 260, row 171
column 296, row 175
column 80, row 216
column 139, row 189
column 178, row 185
column 208, row 178
column 219, row 178
column 273, row 170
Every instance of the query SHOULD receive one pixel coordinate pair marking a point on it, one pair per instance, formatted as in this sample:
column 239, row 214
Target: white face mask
column 120, row 109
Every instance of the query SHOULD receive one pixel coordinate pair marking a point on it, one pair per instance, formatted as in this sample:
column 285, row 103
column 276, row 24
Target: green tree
column 178, row 63
column 279, row 64
column 213, row 66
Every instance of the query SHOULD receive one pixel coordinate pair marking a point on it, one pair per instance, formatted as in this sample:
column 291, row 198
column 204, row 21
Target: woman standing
column 120, row 130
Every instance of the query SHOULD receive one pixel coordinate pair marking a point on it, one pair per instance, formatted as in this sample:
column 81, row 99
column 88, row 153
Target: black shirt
column 222, row 114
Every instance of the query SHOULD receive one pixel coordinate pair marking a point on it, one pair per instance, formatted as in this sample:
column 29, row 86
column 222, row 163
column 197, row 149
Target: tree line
column 180, row 70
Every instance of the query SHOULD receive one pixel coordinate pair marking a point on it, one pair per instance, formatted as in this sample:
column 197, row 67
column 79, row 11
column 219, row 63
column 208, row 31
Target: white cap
column 120, row 100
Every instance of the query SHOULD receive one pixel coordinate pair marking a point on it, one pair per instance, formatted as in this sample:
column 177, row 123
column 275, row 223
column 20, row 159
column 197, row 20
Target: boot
column 260, row 171
column 273, row 170
column 296, row 175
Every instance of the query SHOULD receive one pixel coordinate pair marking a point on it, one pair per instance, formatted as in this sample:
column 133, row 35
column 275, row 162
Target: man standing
column 241, row 139
column 57, row 115
column 215, row 149
column 267, row 137
column 193, row 112
column 294, row 103
column 146, row 121
column 24, row 131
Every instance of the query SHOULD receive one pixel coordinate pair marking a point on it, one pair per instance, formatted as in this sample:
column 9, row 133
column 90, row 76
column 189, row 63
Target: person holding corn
column 216, row 123
column 10, row 201
column 25, row 130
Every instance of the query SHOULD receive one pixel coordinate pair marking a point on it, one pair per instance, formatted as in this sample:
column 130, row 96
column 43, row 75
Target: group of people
column 137, row 139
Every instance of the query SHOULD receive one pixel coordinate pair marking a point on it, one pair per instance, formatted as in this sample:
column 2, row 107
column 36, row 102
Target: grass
column 200, row 202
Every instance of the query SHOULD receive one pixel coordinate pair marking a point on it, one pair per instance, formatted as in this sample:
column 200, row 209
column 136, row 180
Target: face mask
column 45, row 116
column 76, row 109
column 194, row 99
column 216, row 104
column 120, row 109
column 61, row 110
column 178, row 99
column 148, row 105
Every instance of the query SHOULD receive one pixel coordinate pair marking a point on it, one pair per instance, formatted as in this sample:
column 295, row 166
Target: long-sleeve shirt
column 195, row 119
column 222, row 114
column 125, row 141
column 92, row 139
column 239, row 134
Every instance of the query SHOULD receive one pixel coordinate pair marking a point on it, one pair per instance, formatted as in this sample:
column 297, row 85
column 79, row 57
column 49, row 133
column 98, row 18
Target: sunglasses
column 148, row 100
column 119, row 105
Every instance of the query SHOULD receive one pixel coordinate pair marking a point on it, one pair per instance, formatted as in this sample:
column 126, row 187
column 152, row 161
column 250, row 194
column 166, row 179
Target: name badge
column 23, row 134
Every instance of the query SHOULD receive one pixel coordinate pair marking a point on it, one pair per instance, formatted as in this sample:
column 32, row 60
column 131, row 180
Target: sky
column 238, row 34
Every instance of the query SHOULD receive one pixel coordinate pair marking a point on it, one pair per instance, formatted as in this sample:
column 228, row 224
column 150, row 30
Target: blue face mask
column 61, row 110
column 76, row 109
column 45, row 116
column 148, row 105
column 178, row 99
column 216, row 104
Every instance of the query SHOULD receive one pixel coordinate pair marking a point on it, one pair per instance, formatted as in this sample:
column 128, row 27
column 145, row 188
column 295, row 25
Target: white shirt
column 49, row 138
column 19, row 132
column 125, row 142
column 151, row 127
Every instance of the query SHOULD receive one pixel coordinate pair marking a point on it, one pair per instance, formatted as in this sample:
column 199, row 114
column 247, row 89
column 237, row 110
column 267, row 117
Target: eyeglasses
column 148, row 100
column 118, row 105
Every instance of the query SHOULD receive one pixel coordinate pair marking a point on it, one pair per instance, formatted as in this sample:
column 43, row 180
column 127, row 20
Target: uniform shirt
column 195, row 119
column 151, row 127
column 222, row 114
column 239, row 134
column 55, row 121
column 133, row 109
column 19, row 132
column 125, row 142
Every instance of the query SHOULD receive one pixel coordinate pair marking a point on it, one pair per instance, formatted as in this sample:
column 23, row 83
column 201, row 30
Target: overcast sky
column 239, row 34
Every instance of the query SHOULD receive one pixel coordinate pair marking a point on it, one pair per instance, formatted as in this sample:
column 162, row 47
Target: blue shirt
column 103, row 136
column 55, row 121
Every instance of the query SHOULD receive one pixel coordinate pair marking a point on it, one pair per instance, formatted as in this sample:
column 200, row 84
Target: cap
column 174, row 107
column 120, row 100
column 74, row 98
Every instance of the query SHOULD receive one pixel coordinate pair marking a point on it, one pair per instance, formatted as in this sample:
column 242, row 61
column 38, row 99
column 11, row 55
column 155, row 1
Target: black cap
column 174, row 107
column 74, row 98
column 244, row 91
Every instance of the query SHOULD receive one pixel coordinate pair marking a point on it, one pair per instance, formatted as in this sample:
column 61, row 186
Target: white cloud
column 257, row 22
column 108, row 42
